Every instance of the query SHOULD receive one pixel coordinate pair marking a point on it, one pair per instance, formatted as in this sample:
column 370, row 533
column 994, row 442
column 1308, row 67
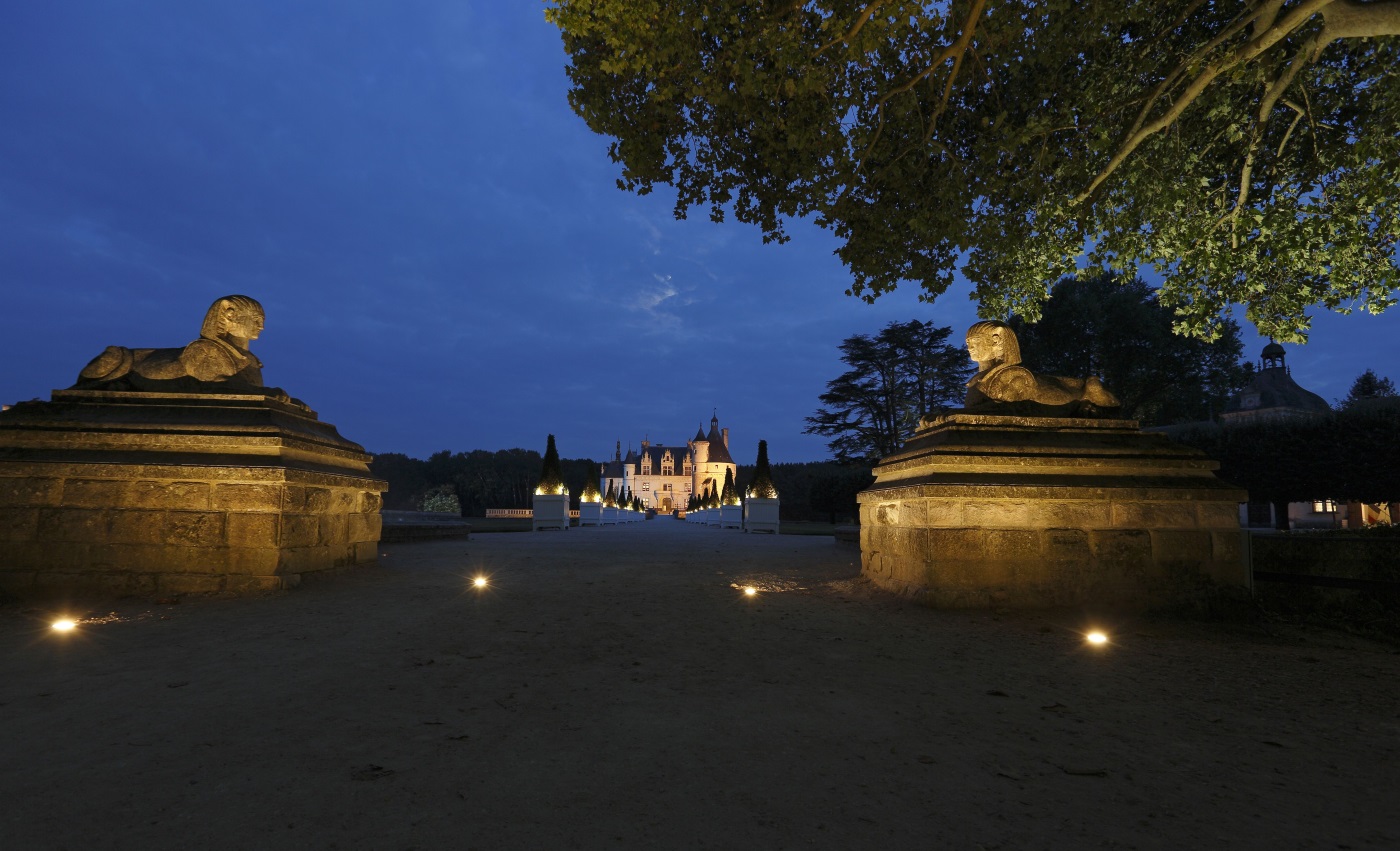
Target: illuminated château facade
column 664, row 477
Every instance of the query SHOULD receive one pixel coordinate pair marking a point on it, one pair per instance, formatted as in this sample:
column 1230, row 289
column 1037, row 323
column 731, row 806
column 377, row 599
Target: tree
column 588, row 492
column 729, row 495
column 442, row 498
column 1277, row 462
column 903, row 373
column 761, row 485
column 1367, row 386
column 551, row 474
column 1121, row 333
column 407, row 478
column 835, row 493
column 1248, row 151
column 1351, row 455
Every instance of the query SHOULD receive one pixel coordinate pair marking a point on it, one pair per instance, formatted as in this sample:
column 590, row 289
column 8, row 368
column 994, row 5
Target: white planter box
column 551, row 512
column 761, row 515
column 731, row 516
column 609, row 515
column 590, row 514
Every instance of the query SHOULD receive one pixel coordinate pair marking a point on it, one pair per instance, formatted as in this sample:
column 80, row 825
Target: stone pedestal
column 166, row 493
column 983, row 511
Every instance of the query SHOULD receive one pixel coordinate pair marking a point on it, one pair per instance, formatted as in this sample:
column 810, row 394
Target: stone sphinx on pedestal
column 176, row 471
column 1034, row 495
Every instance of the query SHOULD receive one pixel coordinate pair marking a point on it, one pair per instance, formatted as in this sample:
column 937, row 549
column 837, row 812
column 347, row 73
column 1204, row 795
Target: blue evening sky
column 444, row 257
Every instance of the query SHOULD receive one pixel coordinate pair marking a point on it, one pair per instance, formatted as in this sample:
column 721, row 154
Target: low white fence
column 522, row 513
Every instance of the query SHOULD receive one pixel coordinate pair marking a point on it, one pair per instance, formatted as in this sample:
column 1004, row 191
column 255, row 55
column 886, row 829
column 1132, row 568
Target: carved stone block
column 132, row 492
column 983, row 510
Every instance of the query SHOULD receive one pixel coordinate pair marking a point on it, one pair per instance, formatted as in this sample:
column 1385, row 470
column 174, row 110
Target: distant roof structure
column 680, row 456
column 719, row 453
column 1272, row 394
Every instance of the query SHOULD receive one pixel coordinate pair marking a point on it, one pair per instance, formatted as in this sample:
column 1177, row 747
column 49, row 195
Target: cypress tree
column 590, row 490
column 729, row 496
column 551, row 473
column 762, row 485
column 610, row 498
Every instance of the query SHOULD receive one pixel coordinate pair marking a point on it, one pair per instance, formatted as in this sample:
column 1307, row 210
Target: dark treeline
column 819, row 490
column 1352, row 455
column 505, row 478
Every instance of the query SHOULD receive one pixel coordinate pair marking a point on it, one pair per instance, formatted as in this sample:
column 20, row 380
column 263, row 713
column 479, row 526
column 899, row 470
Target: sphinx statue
column 218, row 362
column 1003, row 385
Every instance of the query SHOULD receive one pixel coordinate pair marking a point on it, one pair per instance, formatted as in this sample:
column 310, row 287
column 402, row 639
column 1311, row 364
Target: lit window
column 646, row 486
column 1324, row 506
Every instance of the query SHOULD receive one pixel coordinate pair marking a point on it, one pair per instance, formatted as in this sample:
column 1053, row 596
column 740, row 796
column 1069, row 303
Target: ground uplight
column 750, row 591
column 64, row 625
column 479, row 582
column 1096, row 638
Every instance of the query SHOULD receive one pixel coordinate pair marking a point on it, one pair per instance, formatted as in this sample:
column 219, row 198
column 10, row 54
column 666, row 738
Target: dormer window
column 668, row 465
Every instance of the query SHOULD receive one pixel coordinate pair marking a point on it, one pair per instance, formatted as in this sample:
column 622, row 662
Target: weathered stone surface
column 127, row 492
column 983, row 510
column 256, row 530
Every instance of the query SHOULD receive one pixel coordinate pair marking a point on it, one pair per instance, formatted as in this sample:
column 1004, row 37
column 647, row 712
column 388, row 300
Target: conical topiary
column 762, row 485
column 610, row 498
column 551, row 474
column 590, row 490
column 729, row 496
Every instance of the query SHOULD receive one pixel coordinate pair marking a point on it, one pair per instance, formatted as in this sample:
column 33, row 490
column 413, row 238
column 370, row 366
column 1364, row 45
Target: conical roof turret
column 719, row 453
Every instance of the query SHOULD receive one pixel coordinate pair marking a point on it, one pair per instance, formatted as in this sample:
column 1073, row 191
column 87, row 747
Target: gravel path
column 615, row 688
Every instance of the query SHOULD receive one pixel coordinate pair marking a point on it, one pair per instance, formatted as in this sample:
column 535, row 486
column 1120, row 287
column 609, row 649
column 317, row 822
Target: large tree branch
column 1267, row 103
column 953, row 51
column 1357, row 19
column 1246, row 52
column 1197, row 56
column 855, row 28
column 960, row 46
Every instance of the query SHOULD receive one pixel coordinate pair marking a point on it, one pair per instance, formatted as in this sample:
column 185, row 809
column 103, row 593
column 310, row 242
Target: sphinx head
column 236, row 318
column 992, row 343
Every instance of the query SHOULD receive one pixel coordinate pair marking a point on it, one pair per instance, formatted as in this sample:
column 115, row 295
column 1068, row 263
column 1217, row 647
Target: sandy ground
column 614, row 688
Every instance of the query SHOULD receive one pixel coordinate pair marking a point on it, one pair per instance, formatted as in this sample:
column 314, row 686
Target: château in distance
column 664, row 477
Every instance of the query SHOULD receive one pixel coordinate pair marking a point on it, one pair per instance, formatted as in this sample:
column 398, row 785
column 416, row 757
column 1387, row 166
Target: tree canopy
column 1119, row 332
column 1248, row 152
column 1367, row 385
column 896, row 377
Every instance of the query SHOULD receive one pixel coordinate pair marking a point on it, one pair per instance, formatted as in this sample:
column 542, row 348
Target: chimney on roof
column 725, row 432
